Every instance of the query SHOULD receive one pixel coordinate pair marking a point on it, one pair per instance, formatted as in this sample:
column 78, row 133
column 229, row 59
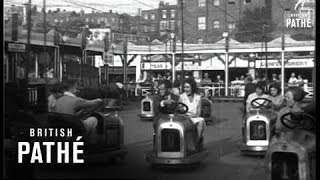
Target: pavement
column 222, row 139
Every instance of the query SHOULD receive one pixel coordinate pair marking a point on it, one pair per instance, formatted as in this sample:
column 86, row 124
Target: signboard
column 108, row 58
column 14, row 47
column 156, row 66
column 292, row 63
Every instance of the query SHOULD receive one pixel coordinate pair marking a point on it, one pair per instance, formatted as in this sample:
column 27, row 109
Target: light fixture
column 172, row 35
column 225, row 34
column 65, row 38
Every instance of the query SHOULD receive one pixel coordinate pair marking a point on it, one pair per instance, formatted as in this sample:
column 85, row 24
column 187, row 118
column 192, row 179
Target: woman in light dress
column 193, row 101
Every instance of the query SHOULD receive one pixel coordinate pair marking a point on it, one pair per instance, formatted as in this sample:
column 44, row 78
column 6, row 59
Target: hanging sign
column 14, row 47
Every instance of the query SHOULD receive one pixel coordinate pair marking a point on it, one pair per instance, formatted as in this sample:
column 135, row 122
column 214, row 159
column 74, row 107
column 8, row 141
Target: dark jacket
column 167, row 108
column 249, row 89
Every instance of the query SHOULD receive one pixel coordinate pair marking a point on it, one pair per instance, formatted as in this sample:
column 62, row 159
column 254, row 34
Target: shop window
column 247, row 1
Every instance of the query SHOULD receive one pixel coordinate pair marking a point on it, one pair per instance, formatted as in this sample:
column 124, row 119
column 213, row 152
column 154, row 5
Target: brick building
column 206, row 20
column 157, row 23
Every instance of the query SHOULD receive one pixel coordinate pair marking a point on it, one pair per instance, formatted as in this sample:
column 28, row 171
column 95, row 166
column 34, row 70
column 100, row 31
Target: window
column 153, row 16
column 231, row 25
column 201, row 23
column 247, row 1
column 216, row 2
column 231, row 2
column 216, row 24
column 163, row 25
column 146, row 16
column 145, row 28
column 201, row 3
column 153, row 27
column 164, row 14
column 172, row 22
column 173, row 13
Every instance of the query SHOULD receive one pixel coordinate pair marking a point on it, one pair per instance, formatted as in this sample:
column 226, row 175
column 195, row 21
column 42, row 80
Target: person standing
column 293, row 80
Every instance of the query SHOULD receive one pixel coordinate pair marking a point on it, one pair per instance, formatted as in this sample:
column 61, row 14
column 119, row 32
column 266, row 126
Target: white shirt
column 293, row 81
column 119, row 85
column 193, row 106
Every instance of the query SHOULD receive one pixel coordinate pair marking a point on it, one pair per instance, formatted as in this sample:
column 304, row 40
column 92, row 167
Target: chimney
column 167, row 4
column 139, row 12
column 110, row 11
column 161, row 4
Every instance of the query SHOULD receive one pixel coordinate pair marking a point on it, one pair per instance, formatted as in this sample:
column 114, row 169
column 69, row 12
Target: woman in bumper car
column 278, row 101
column 293, row 104
column 193, row 101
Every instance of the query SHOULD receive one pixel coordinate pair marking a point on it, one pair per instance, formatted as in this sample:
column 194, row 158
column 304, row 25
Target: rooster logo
column 300, row 2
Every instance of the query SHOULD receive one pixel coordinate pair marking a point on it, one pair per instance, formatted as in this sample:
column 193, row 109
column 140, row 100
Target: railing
column 213, row 89
column 37, row 98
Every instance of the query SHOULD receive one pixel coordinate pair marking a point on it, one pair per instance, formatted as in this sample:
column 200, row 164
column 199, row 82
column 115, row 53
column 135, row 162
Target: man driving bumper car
column 70, row 104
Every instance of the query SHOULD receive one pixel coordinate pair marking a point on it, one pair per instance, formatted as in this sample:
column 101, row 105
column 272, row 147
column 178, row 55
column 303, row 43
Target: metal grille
column 113, row 136
column 258, row 130
column 285, row 166
column 170, row 140
column 146, row 106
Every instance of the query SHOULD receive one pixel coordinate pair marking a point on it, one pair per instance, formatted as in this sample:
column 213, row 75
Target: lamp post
column 226, row 70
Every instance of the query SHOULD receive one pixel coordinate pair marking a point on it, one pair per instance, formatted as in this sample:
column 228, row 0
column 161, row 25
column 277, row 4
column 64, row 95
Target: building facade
column 206, row 20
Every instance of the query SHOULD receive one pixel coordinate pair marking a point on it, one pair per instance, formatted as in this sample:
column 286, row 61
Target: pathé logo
column 301, row 17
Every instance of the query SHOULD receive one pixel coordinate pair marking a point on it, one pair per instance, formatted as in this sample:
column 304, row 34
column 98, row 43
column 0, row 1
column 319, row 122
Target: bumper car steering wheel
column 181, row 108
column 299, row 120
column 256, row 103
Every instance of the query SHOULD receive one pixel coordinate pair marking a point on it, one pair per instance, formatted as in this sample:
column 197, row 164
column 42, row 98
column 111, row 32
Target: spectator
column 242, row 78
column 155, row 87
column 206, row 79
column 219, row 80
column 293, row 80
column 274, row 78
column 168, row 74
column 236, row 86
column 300, row 81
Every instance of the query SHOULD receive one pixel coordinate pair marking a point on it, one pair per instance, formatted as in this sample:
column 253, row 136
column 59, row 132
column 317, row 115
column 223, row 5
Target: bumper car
column 206, row 110
column 257, row 127
column 110, row 144
column 176, row 140
column 147, row 110
column 292, row 153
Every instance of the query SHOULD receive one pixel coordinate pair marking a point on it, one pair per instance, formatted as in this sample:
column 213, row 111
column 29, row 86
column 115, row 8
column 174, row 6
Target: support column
column 226, row 71
column 173, row 67
column 282, row 71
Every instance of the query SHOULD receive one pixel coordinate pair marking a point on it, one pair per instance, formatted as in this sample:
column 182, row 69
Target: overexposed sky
column 120, row 6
